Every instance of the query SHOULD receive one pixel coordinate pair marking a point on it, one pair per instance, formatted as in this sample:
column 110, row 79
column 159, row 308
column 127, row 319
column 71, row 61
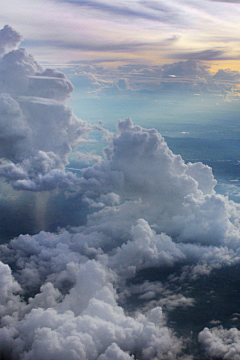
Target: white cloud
column 145, row 250
column 95, row 326
column 221, row 343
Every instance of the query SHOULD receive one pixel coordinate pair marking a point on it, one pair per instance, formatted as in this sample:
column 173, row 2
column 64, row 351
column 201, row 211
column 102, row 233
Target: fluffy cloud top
column 221, row 343
column 36, row 125
column 146, row 81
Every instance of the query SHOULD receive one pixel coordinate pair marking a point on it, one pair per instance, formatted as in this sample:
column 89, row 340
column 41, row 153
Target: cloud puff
column 141, row 178
column 177, row 198
column 86, row 324
column 15, row 69
column 221, row 343
column 9, row 39
column 226, row 1
column 183, row 77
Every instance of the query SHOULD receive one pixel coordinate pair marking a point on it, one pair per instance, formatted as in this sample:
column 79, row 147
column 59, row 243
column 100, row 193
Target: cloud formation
column 77, row 294
column 87, row 324
column 221, row 343
column 38, row 130
column 180, row 78
column 200, row 55
column 150, row 23
column 9, row 39
column 140, row 10
column 65, row 295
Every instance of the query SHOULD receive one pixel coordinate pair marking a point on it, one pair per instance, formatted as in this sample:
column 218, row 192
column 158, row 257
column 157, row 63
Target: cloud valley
column 65, row 294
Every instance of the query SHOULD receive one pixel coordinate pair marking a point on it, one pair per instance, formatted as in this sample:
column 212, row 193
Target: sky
column 141, row 50
column 119, row 171
column 119, row 40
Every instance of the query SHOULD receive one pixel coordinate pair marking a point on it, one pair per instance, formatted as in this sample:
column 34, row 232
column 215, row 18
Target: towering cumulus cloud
column 86, row 292
column 37, row 129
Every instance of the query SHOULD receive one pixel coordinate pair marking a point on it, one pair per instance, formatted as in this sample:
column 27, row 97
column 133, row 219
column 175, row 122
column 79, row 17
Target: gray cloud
column 146, row 209
column 94, row 45
column 9, row 39
column 201, row 55
column 227, row 76
column 221, row 343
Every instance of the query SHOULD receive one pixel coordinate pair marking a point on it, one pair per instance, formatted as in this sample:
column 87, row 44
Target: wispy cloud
column 149, row 31
column 227, row 1
column 200, row 55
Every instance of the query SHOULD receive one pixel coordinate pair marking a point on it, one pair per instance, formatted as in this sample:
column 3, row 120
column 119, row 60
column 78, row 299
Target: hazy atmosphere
column 119, row 179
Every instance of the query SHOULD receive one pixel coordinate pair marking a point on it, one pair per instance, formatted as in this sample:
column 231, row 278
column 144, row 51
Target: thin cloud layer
column 221, row 343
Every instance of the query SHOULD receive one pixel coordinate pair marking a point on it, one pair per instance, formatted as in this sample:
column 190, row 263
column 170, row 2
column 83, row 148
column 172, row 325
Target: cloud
column 36, row 125
column 93, row 45
column 145, row 250
column 221, row 343
column 205, row 55
column 227, row 76
column 227, row 1
column 95, row 326
column 114, row 352
column 177, row 199
column 15, row 68
column 9, row 39
column 176, row 20
column 171, row 205
column 160, row 13
column 66, row 295
column 155, row 293
column 15, row 131
column 187, row 69
column 50, row 84
column 136, row 80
